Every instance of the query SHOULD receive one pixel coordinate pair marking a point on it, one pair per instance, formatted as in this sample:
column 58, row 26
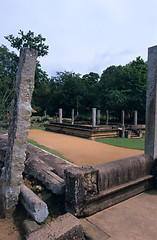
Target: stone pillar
column 72, row 117
column 123, row 117
column 93, row 117
column 81, row 185
column 151, row 104
column 60, row 115
column 123, row 131
column 98, row 117
column 135, row 117
column 18, row 131
column 107, row 117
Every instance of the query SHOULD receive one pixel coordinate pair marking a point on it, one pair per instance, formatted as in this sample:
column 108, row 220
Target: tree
column 91, row 94
column 29, row 40
column 124, row 87
column 41, row 77
column 8, row 68
column 113, row 89
column 41, row 94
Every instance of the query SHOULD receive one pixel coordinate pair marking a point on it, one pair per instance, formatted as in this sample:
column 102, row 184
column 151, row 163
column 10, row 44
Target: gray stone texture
column 81, row 184
column 116, row 173
column 93, row 117
column 29, row 226
column 151, row 104
column 36, row 208
column 18, row 131
column 65, row 227
column 123, row 117
column 72, row 116
column 98, row 117
column 123, row 132
column 37, row 168
column 135, row 117
column 60, row 115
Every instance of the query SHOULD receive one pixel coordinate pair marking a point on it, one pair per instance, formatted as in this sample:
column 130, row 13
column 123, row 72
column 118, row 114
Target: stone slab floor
column 133, row 219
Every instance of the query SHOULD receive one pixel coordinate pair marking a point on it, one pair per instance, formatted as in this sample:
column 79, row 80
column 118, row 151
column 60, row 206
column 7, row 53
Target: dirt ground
column 79, row 150
column 8, row 230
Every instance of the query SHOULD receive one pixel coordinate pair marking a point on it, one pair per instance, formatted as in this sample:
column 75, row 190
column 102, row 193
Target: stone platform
column 85, row 131
column 97, row 132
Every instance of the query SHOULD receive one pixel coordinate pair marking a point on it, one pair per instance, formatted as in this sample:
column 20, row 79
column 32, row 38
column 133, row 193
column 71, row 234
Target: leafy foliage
column 8, row 68
column 29, row 40
column 124, row 87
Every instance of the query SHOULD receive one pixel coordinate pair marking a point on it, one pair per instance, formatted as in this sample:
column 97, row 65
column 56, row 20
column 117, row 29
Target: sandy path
column 79, row 150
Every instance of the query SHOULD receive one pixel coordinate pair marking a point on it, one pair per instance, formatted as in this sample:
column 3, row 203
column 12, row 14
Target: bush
column 36, row 119
column 81, row 117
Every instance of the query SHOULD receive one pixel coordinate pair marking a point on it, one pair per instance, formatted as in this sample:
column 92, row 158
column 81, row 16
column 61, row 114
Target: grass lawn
column 124, row 142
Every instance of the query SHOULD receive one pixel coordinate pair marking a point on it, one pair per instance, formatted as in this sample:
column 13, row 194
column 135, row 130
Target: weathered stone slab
column 18, row 131
column 151, row 106
column 65, row 227
column 36, row 208
column 35, row 167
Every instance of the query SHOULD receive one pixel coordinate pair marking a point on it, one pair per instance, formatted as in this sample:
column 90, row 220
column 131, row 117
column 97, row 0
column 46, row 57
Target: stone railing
column 92, row 189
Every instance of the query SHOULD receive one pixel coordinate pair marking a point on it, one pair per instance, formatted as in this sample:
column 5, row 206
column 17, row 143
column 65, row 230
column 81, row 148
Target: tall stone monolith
column 151, row 104
column 18, row 131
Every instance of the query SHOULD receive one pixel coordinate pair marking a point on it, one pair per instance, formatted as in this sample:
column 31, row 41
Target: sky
column 84, row 35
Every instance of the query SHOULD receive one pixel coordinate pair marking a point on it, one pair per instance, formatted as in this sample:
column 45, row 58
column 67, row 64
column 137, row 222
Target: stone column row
column 61, row 116
column 123, row 117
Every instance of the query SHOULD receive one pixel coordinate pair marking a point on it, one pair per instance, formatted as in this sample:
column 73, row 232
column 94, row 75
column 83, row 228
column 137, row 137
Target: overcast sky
column 84, row 35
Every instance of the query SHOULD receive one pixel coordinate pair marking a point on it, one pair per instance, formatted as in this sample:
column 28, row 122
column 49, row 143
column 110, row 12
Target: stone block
column 29, row 226
column 65, row 227
column 81, row 184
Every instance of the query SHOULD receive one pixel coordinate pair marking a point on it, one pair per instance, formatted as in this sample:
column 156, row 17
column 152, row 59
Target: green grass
column 47, row 149
column 37, row 127
column 124, row 142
